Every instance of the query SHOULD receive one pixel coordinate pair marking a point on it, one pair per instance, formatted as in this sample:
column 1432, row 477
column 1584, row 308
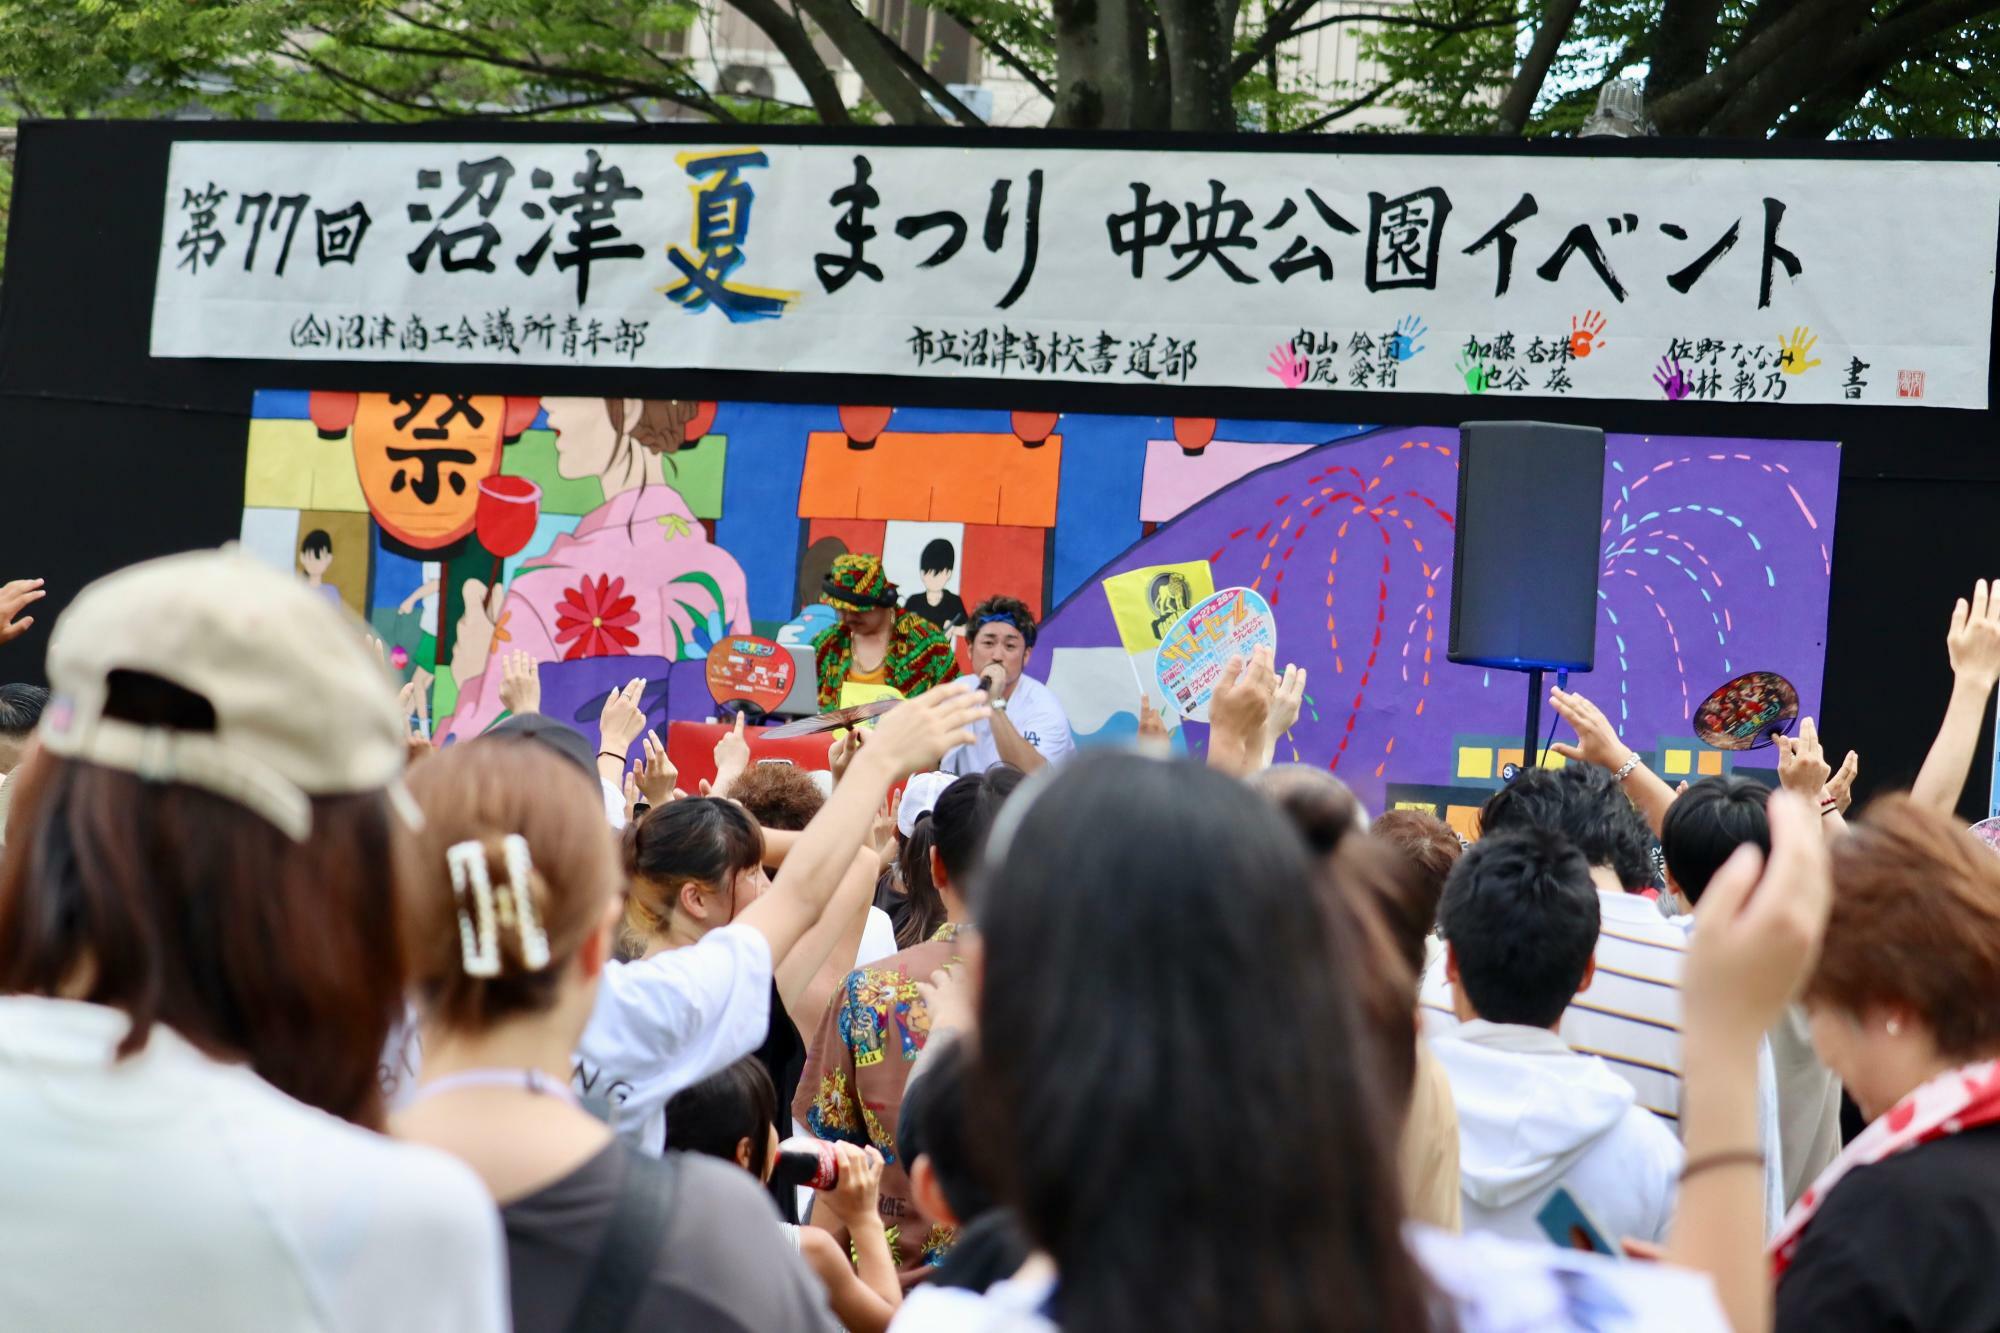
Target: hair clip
column 520, row 884
column 472, row 890
column 482, row 914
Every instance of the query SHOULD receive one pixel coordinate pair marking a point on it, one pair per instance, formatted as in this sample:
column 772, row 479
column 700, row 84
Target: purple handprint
column 1290, row 368
column 1671, row 378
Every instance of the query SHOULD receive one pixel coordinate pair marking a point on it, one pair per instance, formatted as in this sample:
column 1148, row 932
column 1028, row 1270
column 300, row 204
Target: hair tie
column 481, row 914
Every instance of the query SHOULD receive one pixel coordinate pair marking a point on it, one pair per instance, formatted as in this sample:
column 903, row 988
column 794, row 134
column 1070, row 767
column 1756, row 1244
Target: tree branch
column 1687, row 107
column 862, row 43
column 1007, row 57
column 1360, row 103
column 1278, row 30
column 693, row 95
column 1686, row 33
column 795, row 44
column 927, row 81
column 1519, row 98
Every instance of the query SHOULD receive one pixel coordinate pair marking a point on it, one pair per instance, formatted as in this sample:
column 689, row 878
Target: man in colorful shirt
column 877, row 1024
column 874, row 644
column 852, row 1089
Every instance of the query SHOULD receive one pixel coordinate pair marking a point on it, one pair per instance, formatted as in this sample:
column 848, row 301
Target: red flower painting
column 595, row 619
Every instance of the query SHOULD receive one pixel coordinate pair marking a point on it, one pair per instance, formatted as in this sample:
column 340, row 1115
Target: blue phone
column 1563, row 1220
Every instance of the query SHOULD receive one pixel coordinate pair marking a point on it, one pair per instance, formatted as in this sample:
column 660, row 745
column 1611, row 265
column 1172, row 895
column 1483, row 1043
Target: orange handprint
column 1584, row 333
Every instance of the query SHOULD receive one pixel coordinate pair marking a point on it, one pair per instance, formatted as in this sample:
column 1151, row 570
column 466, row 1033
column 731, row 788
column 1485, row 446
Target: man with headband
column 1028, row 727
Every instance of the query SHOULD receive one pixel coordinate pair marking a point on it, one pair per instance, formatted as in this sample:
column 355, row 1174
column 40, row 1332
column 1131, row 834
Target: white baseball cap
column 303, row 707
column 920, row 795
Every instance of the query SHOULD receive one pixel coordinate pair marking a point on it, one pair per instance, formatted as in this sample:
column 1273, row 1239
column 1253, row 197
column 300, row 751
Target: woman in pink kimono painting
column 638, row 577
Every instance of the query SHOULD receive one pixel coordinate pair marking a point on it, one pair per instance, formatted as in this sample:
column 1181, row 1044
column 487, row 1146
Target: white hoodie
column 1533, row 1114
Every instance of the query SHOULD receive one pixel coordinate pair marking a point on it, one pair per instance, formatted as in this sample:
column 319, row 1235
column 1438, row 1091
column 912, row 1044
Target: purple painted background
column 1714, row 561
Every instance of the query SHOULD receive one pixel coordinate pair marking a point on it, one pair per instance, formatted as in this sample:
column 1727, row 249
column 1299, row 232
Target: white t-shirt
column 878, row 938
column 170, row 1192
column 667, row 1022
column 1036, row 713
column 1494, row 1285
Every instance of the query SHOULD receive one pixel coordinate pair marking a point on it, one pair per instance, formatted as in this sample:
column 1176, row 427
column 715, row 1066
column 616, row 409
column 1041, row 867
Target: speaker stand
column 1529, row 757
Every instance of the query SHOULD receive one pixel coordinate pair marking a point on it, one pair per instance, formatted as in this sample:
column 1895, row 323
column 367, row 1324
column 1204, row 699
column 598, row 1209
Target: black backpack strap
column 631, row 1246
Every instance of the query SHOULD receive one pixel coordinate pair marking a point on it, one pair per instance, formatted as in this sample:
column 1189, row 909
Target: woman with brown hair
column 513, row 904
column 1901, row 1230
column 199, row 960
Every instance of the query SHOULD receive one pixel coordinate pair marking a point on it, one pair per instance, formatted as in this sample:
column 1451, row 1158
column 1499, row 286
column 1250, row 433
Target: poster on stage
column 1852, row 281
column 1193, row 654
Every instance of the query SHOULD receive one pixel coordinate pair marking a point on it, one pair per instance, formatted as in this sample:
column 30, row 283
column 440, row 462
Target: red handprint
column 1584, row 333
column 1290, row 368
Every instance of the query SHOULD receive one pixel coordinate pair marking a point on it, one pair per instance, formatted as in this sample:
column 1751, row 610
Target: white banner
column 1712, row 279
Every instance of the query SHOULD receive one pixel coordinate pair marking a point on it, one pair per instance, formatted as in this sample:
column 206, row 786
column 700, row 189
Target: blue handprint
column 1403, row 342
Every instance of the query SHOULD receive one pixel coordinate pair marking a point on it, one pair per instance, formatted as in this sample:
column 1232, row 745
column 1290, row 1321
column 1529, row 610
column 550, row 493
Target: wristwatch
column 1000, row 705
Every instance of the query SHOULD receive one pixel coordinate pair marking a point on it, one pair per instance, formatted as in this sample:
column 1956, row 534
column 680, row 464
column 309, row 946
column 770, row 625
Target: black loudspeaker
column 1524, row 567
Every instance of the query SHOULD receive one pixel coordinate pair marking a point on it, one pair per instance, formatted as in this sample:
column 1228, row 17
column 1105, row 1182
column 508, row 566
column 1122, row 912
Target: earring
column 1895, row 1026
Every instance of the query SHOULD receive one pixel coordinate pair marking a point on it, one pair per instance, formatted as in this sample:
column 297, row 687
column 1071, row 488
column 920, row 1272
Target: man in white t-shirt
column 1028, row 728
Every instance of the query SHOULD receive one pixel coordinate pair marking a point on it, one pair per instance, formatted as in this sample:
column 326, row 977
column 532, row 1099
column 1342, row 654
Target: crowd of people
column 308, row 1023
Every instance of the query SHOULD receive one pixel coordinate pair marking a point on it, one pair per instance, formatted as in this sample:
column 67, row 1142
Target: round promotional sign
column 749, row 668
column 1194, row 649
column 1748, row 713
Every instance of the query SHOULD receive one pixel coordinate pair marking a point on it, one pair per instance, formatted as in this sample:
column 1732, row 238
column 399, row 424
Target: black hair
column 1586, row 805
column 1009, row 608
column 724, row 1109
column 933, row 1124
column 1521, row 916
column 923, row 910
column 963, row 816
column 1155, row 944
column 696, row 838
column 21, row 708
column 316, row 543
column 938, row 557
column 1708, row 822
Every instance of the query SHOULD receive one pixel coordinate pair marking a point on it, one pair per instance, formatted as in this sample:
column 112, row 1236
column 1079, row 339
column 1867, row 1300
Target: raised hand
column 914, row 735
column 1403, row 342
column 1973, row 640
column 1840, row 787
column 951, row 996
column 1289, row 367
column 621, row 721
column 1597, row 740
column 1802, row 765
column 654, row 773
column 1673, row 381
column 1792, row 351
column 1287, row 698
column 520, row 683
column 1585, row 331
column 732, row 756
column 14, row 597
column 841, row 752
column 478, row 626
column 1238, row 710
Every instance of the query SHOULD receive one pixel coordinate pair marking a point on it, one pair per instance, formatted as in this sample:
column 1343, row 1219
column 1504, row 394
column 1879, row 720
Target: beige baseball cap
column 303, row 707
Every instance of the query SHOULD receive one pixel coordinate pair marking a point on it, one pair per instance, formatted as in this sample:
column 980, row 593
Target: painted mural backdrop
column 612, row 538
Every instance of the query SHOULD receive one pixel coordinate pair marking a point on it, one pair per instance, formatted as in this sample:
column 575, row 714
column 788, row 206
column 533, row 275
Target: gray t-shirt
column 726, row 1264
